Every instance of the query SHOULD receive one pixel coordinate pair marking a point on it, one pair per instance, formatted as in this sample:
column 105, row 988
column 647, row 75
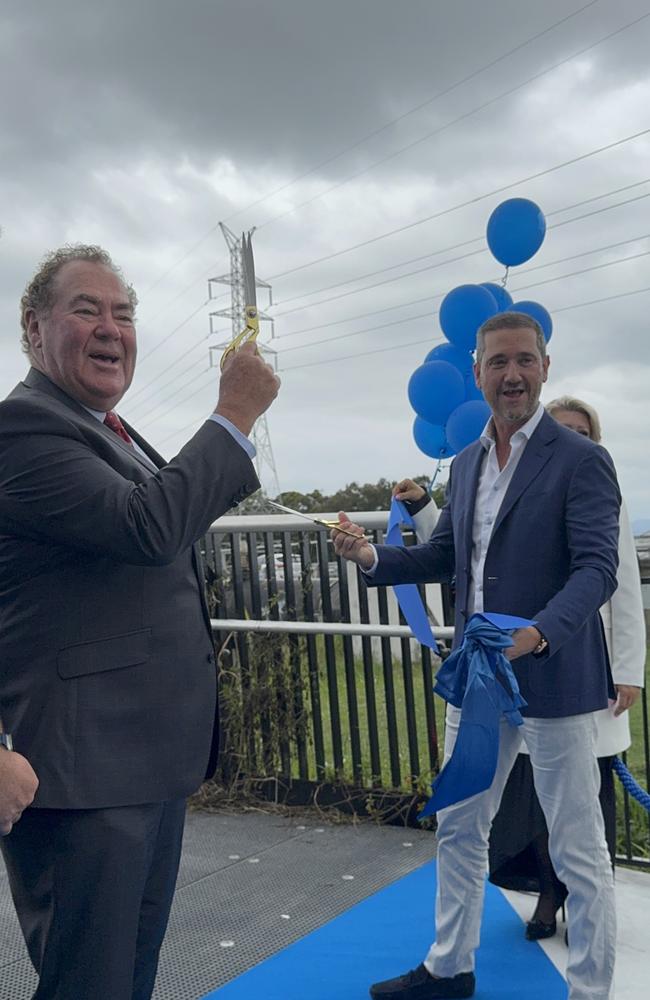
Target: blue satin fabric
column 408, row 595
column 478, row 679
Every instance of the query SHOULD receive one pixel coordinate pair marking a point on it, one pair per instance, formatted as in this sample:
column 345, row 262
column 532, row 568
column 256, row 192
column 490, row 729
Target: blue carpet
column 389, row 933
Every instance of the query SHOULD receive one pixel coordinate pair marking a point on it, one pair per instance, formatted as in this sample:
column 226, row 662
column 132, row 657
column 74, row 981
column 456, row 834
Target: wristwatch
column 6, row 741
column 541, row 646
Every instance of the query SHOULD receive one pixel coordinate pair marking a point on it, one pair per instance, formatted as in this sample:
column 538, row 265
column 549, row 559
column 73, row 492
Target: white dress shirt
column 492, row 485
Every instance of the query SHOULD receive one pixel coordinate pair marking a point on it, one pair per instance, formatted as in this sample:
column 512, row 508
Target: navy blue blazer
column 552, row 557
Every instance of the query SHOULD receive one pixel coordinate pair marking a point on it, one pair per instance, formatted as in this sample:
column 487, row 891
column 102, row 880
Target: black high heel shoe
column 537, row 930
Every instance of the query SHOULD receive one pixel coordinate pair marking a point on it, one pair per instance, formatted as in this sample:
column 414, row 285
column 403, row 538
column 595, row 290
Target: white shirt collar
column 97, row 414
column 487, row 434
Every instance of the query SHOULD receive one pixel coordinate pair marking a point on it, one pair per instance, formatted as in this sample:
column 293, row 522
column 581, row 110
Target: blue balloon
column 435, row 389
column 462, row 360
column 466, row 423
column 502, row 297
column 515, row 231
column 431, row 439
column 472, row 391
column 462, row 311
column 538, row 312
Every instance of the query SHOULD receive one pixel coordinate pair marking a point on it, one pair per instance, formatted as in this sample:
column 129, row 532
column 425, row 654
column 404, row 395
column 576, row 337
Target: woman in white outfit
column 519, row 856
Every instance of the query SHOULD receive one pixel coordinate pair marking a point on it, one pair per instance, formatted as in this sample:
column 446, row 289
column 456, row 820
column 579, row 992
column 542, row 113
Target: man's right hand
column 407, row 489
column 247, row 388
column 18, row 785
column 357, row 550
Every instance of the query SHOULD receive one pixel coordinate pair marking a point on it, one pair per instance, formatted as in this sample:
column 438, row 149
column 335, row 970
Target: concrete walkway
column 633, row 939
column 253, row 883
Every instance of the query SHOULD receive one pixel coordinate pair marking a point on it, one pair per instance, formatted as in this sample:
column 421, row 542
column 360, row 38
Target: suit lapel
column 465, row 500
column 36, row 380
column 150, row 452
column 469, row 491
column 536, row 454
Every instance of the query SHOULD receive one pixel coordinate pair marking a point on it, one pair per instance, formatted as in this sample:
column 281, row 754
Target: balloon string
column 435, row 475
column 504, row 280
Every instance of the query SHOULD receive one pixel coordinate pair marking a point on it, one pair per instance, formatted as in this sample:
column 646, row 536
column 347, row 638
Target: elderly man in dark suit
column 530, row 529
column 107, row 667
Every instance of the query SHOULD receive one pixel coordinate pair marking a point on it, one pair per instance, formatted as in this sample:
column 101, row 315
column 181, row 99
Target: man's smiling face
column 511, row 374
column 86, row 341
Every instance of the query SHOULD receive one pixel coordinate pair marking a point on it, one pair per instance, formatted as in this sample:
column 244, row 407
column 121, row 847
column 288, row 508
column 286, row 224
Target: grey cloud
column 118, row 116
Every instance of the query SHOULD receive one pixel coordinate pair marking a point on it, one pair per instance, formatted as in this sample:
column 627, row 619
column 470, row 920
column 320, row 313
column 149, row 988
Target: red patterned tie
column 113, row 421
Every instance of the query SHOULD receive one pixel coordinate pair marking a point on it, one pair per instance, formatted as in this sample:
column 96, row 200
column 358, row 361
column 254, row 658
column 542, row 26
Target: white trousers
column 565, row 771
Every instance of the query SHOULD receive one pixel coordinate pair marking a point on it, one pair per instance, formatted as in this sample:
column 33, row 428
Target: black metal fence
column 322, row 690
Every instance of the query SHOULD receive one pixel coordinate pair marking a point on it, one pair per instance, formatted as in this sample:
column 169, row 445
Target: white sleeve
column 628, row 637
column 425, row 521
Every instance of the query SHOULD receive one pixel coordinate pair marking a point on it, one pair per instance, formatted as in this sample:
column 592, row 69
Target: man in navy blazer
column 107, row 667
column 530, row 528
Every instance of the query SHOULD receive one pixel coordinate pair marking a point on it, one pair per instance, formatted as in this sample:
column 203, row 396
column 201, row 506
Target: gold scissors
column 250, row 332
column 315, row 520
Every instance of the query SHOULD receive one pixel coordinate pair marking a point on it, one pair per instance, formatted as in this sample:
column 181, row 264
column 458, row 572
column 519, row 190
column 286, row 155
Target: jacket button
column 210, row 658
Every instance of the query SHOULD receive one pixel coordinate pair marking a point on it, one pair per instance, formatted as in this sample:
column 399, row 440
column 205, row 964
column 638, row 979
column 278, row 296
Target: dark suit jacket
column 107, row 672
column 552, row 557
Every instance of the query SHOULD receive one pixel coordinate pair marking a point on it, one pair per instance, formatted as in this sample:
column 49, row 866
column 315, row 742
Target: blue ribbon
column 408, row 595
column 478, row 679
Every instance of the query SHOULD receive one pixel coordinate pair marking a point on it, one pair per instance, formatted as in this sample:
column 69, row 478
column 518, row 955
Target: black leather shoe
column 421, row 985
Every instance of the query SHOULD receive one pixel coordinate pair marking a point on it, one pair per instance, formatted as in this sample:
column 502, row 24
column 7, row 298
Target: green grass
column 639, row 819
column 636, row 754
column 283, row 678
column 401, row 743
column 381, row 679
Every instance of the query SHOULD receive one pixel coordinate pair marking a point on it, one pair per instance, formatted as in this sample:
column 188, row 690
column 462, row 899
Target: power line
column 166, row 401
column 459, row 246
column 371, row 135
column 454, row 121
column 183, row 429
column 396, row 347
column 451, row 260
column 430, row 340
column 520, row 288
column 175, row 330
column 426, row 298
column 463, row 204
column 176, row 374
column 411, row 111
column 404, row 263
column 439, row 294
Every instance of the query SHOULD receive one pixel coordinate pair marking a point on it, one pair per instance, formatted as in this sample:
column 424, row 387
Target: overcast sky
column 141, row 125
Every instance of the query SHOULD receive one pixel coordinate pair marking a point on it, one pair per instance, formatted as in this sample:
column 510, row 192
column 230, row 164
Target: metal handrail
column 371, row 519
column 323, row 628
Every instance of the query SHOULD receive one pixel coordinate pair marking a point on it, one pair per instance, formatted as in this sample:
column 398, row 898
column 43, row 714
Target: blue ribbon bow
column 478, row 679
column 407, row 594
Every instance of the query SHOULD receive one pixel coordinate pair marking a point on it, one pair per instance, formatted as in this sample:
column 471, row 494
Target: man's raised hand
column 247, row 388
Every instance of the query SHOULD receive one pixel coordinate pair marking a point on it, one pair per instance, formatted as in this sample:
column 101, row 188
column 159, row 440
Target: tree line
column 354, row 496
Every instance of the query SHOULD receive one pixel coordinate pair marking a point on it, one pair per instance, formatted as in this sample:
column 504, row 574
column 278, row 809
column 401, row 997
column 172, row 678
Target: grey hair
column 40, row 293
column 509, row 321
column 577, row 406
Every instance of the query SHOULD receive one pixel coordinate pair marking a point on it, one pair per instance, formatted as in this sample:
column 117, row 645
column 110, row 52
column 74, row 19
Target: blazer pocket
column 112, row 653
column 536, row 499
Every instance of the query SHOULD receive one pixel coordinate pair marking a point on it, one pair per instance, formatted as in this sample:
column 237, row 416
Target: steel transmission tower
column 264, row 460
